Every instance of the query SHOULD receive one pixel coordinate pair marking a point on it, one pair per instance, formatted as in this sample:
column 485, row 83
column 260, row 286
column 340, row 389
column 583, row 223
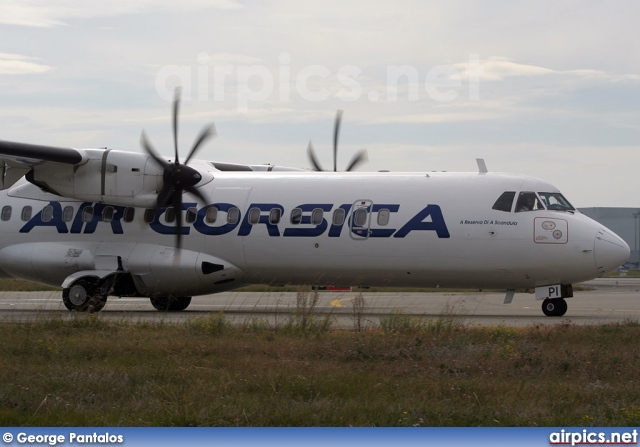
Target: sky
column 547, row 88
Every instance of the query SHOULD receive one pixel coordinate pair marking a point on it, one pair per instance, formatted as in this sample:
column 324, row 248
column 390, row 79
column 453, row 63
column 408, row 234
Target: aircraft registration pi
column 100, row 222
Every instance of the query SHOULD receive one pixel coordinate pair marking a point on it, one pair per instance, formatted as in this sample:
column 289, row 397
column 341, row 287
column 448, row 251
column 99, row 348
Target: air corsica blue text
column 88, row 216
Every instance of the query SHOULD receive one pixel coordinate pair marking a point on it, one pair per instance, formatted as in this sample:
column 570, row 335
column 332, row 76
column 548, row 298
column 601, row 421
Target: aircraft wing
column 32, row 154
column 17, row 159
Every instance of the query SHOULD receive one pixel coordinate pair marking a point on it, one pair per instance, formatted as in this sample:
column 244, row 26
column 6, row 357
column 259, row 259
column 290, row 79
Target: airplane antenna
column 482, row 166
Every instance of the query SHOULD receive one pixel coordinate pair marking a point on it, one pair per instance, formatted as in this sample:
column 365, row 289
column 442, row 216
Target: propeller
column 177, row 178
column 360, row 156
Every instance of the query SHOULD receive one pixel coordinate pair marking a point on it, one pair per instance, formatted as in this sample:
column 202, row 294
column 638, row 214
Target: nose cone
column 610, row 251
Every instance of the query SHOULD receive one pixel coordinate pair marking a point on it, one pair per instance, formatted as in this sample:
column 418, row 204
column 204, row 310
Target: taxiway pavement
column 605, row 300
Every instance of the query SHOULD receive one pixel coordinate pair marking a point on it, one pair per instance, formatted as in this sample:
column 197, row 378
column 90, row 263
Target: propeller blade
column 149, row 150
column 336, row 131
column 176, row 178
column 196, row 193
column 206, row 133
column 313, row 159
column 177, row 206
column 165, row 196
column 357, row 159
column 176, row 106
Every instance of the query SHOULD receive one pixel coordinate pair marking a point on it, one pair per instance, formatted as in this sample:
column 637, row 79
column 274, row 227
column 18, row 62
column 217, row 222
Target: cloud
column 499, row 68
column 14, row 64
column 227, row 59
column 42, row 13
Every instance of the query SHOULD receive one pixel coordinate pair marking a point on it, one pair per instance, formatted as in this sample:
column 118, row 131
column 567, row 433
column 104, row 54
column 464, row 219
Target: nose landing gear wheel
column 555, row 307
column 170, row 303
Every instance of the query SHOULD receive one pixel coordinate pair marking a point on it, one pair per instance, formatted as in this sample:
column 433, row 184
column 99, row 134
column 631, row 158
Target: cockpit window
column 555, row 201
column 505, row 201
column 528, row 201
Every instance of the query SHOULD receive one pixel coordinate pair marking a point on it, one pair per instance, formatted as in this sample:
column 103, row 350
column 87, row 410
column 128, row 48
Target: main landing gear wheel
column 170, row 303
column 555, row 307
column 82, row 296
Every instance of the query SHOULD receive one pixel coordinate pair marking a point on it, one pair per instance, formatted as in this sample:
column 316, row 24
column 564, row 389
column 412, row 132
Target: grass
column 19, row 285
column 207, row 372
column 405, row 370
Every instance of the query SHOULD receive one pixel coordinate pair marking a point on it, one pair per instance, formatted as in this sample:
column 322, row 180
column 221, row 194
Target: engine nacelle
column 107, row 176
column 160, row 270
column 156, row 270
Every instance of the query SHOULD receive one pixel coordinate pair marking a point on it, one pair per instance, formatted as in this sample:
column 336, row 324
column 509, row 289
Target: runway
column 601, row 301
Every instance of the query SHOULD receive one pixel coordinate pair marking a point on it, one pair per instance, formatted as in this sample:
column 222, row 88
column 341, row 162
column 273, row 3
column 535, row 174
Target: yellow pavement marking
column 338, row 302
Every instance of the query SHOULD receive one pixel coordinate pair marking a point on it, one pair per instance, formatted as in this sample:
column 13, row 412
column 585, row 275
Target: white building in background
column 625, row 222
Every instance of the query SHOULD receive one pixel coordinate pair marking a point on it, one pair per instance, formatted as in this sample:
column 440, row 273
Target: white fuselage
column 414, row 230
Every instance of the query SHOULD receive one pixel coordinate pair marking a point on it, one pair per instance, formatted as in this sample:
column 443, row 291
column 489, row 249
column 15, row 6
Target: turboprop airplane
column 101, row 222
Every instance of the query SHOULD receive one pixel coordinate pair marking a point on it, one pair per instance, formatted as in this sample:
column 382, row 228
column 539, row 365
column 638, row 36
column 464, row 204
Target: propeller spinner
column 360, row 156
column 177, row 178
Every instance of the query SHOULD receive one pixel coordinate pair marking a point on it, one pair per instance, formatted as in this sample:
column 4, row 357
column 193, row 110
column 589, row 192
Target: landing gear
column 554, row 307
column 84, row 295
column 170, row 303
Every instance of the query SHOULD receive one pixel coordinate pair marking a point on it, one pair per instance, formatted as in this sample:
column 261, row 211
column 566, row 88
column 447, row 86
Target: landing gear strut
column 554, row 307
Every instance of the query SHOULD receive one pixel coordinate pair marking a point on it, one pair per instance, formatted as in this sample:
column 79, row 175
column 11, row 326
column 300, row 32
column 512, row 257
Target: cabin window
column 296, row 216
column 87, row 214
column 212, row 215
column 129, row 214
column 528, row 201
column 505, row 201
column 192, row 213
column 233, row 215
column 107, row 214
column 26, row 213
column 149, row 215
column 254, row 216
column 47, row 213
column 316, row 216
column 67, row 214
column 383, row 217
column 360, row 217
column 338, row 217
column 6, row 213
column 274, row 216
column 170, row 215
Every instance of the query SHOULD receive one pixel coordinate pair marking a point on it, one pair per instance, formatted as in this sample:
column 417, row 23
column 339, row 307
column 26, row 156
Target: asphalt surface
column 601, row 301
